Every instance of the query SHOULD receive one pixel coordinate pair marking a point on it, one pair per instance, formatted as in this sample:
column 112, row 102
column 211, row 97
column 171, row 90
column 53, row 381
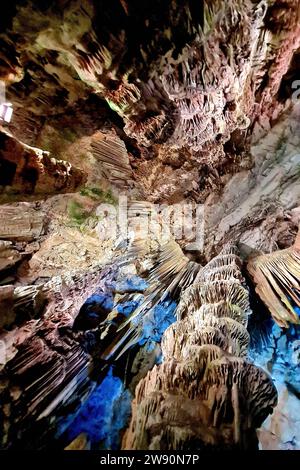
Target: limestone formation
column 46, row 363
column 189, row 82
column 124, row 111
column 205, row 394
column 26, row 170
column 9, row 256
column 277, row 276
column 21, row 222
column 111, row 153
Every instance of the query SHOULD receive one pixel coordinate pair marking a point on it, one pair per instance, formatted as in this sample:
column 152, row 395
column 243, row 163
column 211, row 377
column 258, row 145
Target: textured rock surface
column 190, row 121
column 166, row 103
column 279, row 354
column 277, row 278
column 27, row 170
column 21, row 221
column 46, row 348
column 281, row 431
column 9, row 256
column 205, row 394
column 257, row 205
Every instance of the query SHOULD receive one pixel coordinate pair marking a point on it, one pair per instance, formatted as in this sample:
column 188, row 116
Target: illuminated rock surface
column 204, row 394
column 146, row 105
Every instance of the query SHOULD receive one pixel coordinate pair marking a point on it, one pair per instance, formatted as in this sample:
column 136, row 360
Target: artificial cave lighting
column 149, row 236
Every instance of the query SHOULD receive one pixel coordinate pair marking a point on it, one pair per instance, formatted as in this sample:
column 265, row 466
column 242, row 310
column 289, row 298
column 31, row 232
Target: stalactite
column 205, row 394
column 28, row 170
column 46, row 362
column 171, row 273
column 112, row 154
column 276, row 276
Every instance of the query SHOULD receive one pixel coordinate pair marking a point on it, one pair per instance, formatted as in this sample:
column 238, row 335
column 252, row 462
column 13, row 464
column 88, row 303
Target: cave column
column 205, row 394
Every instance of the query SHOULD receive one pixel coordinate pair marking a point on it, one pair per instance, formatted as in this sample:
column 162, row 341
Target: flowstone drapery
column 205, row 394
column 276, row 276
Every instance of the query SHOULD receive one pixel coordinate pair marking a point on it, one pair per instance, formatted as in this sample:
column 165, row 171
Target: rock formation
column 128, row 115
column 277, row 277
column 46, row 361
column 205, row 394
column 185, row 86
column 26, row 170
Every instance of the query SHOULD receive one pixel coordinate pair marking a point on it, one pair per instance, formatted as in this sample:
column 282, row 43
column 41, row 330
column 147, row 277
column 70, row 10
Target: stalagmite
column 205, row 394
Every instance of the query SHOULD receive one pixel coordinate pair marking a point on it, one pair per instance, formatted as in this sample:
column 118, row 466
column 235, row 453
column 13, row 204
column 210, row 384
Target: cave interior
column 150, row 208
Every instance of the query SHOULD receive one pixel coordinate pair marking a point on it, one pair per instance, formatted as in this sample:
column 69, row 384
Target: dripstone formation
column 138, row 139
column 205, row 394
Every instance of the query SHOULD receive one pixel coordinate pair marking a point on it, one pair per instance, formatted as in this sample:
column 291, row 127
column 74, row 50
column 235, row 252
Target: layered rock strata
column 205, row 394
column 44, row 364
